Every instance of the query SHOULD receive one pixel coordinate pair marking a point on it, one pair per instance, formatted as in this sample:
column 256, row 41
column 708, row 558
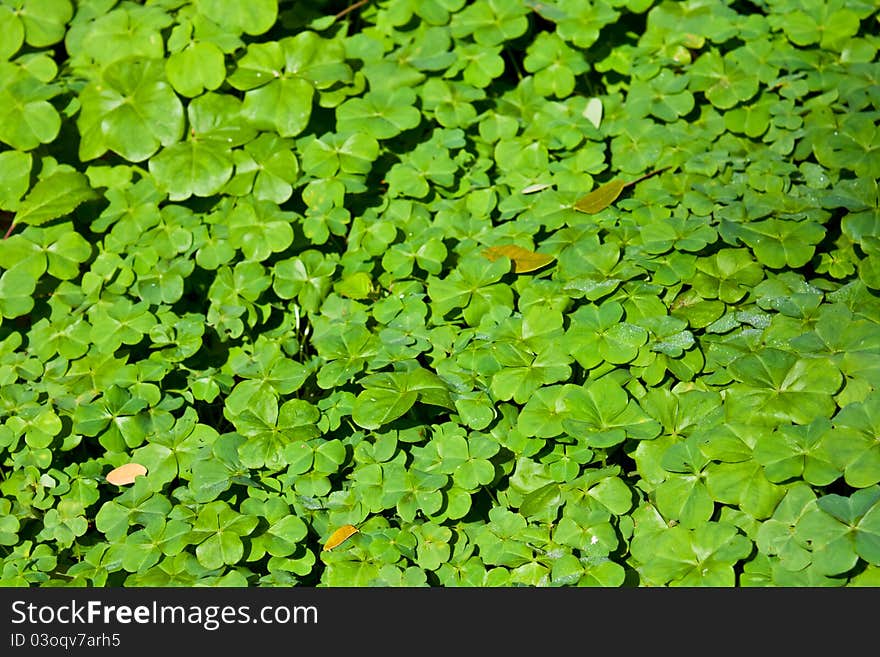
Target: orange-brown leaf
column 126, row 474
column 340, row 536
column 523, row 260
column 601, row 197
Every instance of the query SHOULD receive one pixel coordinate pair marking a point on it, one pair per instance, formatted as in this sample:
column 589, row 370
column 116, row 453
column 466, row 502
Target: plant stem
column 350, row 8
column 647, row 175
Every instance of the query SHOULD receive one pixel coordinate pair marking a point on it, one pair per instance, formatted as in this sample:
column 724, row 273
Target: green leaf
column 218, row 531
column 199, row 67
column 53, row 197
column 778, row 243
column 727, row 275
column 745, row 485
column 27, row 118
column 826, row 25
column 776, row 386
column 597, row 334
column 490, row 22
column 388, row 396
column 284, row 106
column 381, row 113
column 794, row 451
column 15, row 170
column 851, row 446
column 841, row 530
column 683, row 497
column 13, row 28
column 776, row 536
column 723, row 81
column 544, row 411
column 603, row 415
column 703, row 556
column 132, row 111
column 254, row 19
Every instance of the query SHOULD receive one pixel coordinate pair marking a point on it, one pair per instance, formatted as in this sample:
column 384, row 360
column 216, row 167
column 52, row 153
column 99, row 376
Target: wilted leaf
column 340, row 536
column 601, row 197
column 593, row 111
column 126, row 474
column 537, row 187
column 524, row 260
column 604, row 195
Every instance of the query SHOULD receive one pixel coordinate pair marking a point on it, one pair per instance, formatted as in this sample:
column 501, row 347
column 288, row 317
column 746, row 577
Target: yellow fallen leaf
column 601, row 197
column 126, row 474
column 523, row 260
column 340, row 536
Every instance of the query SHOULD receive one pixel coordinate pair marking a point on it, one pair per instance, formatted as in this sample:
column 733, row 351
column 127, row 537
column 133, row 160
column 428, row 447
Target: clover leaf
column 683, row 495
column 27, row 117
column 723, row 81
column 727, row 275
column 411, row 491
column 602, row 414
column 551, row 293
column 13, row 28
column 280, row 79
column 132, row 111
column 703, row 556
column 841, row 530
column 268, row 428
column 554, row 64
column 382, row 113
column 284, row 531
column 201, row 165
column 778, row 243
column 218, row 531
column 848, row 445
column 389, row 395
column 597, row 334
column 776, row 536
column 138, row 506
column 125, row 31
column 471, row 285
column 793, row 451
column 490, row 22
column 826, row 25
column 778, row 386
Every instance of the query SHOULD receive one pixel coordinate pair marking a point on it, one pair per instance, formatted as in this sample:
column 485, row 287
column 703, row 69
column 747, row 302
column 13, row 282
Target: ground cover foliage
column 440, row 293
